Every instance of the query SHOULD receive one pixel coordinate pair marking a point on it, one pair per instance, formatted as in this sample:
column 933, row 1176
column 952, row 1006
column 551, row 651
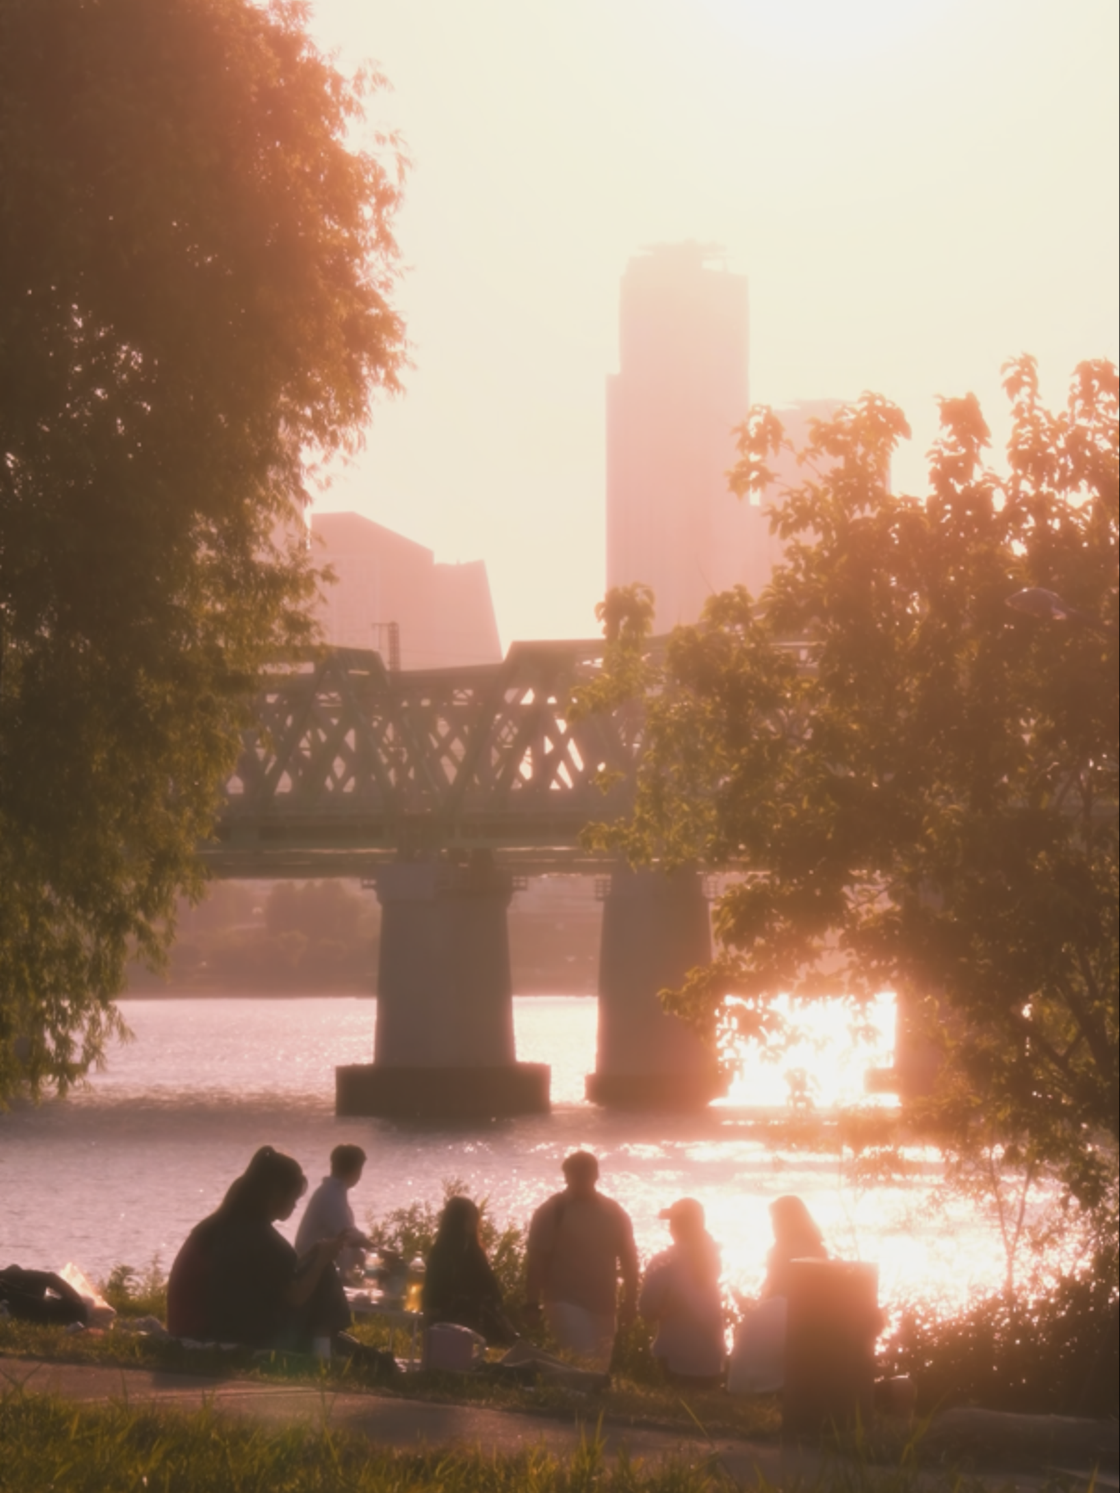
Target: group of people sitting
column 236, row 1279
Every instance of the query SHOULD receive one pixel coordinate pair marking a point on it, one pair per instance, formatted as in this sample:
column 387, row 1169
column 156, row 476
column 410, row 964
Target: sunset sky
column 917, row 190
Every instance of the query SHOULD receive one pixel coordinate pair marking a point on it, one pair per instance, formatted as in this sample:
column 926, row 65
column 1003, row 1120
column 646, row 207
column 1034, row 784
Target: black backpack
column 41, row 1296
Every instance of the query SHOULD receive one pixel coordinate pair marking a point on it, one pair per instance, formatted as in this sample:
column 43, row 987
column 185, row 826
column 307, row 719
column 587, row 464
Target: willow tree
column 916, row 783
column 196, row 278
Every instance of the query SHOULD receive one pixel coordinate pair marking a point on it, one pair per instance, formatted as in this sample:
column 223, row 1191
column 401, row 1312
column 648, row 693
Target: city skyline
column 917, row 192
column 671, row 523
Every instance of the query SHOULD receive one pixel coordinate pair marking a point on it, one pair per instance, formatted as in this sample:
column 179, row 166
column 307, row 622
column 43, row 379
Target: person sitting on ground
column 796, row 1237
column 459, row 1283
column 329, row 1214
column 681, row 1296
column 580, row 1242
column 237, row 1280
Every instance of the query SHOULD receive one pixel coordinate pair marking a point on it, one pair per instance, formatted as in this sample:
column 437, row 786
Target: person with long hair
column 681, row 1296
column 238, row 1280
column 459, row 1282
column 757, row 1364
column 796, row 1237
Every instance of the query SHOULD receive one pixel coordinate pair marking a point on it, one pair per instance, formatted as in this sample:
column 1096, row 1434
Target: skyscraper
column 681, row 387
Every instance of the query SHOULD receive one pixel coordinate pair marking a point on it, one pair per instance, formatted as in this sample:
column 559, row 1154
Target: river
column 120, row 1170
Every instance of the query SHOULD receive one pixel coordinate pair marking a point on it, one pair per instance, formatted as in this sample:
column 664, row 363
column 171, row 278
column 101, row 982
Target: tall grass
column 410, row 1231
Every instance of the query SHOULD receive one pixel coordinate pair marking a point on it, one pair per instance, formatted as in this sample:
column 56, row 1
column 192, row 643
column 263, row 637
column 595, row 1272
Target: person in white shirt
column 329, row 1214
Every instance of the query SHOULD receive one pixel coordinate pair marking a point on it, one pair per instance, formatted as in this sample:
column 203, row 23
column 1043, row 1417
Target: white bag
column 452, row 1348
column 757, row 1363
column 100, row 1312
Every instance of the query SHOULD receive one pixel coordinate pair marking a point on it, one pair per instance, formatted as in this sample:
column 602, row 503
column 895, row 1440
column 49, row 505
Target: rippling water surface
column 121, row 1171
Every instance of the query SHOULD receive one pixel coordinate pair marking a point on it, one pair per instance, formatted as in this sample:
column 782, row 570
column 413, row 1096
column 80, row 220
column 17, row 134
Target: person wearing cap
column 580, row 1243
column 681, row 1297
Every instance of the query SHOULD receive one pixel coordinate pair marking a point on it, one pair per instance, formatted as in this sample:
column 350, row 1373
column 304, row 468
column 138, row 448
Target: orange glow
column 826, row 1063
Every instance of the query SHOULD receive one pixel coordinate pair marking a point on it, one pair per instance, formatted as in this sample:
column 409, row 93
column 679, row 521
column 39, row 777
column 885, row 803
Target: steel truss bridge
column 350, row 765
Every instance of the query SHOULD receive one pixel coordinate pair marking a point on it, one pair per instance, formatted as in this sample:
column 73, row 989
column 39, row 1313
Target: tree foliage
column 290, row 937
column 918, row 783
column 196, row 270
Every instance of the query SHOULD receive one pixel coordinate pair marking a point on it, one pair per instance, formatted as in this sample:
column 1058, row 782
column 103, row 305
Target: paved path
column 403, row 1423
column 388, row 1420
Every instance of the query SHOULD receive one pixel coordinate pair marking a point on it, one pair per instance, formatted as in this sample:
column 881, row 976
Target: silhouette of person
column 796, row 1237
column 580, row 1242
column 459, row 1284
column 237, row 1280
column 329, row 1214
column 681, row 1296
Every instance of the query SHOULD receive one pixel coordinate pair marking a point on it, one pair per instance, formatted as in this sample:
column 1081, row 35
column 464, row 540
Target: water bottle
column 414, row 1292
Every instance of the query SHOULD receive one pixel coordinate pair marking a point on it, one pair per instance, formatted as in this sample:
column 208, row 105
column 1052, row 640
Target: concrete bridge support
column 655, row 929
column 444, row 1044
column 917, row 1055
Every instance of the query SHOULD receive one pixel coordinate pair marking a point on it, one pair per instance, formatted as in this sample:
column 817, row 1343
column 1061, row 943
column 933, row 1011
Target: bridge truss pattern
column 351, row 764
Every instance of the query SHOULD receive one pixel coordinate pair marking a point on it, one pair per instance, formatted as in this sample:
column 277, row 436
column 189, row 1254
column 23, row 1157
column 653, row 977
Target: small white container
column 452, row 1348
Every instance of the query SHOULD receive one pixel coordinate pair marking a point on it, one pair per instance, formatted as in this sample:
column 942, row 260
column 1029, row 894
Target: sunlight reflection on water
column 122, row 1170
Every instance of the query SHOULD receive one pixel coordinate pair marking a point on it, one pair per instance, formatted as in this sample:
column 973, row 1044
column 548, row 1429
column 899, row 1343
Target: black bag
column 41, row 1296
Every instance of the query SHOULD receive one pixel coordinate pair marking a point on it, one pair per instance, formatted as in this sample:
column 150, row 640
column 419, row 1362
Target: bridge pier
column 655, row 929
column 917, row 1056
column 444, row 1043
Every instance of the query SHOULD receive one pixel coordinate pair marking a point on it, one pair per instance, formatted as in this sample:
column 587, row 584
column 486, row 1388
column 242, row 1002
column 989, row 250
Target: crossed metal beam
column 350, row 764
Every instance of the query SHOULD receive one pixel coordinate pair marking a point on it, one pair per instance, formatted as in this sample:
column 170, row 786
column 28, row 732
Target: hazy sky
column 917, row 189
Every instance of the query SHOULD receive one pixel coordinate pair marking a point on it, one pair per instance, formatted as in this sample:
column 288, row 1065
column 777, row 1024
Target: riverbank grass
column 50, row 1443
column 626, row 1400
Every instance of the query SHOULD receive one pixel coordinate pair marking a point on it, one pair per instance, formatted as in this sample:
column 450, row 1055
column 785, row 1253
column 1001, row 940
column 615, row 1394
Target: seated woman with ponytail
column 238, row 1280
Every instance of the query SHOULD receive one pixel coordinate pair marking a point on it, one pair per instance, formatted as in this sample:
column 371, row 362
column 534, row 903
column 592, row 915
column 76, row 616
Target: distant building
column 671, row 409
column 443, row 614
column 681, row 387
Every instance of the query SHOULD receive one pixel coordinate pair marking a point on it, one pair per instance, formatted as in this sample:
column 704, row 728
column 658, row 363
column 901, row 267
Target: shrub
column 137, row 1294
column 411, row 1230
column 1051, row 1353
